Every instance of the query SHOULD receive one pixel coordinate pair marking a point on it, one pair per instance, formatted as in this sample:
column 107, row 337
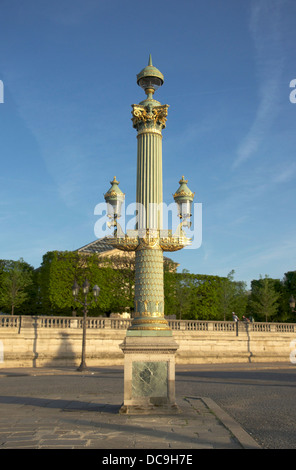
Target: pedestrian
column 235, row 317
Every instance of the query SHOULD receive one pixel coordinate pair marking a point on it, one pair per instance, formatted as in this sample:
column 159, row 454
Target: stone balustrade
column 56, row 341
column 19, row 322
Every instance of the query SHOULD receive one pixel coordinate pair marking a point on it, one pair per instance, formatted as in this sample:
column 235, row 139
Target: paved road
column 260, row 397
column 64, row 409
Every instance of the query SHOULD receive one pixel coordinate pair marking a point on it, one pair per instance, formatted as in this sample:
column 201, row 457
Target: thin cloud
column 281, row 253
column 265, row 30
column 287, row 174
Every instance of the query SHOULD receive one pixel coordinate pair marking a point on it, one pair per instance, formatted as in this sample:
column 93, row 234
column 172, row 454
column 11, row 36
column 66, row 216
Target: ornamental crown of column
column 145, row 117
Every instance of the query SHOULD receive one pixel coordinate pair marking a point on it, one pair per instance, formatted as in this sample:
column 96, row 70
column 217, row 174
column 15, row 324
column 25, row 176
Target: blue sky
column 69, row 73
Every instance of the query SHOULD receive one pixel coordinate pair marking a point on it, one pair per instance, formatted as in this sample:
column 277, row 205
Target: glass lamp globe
column 96, row 290
column 184, row 198
column 85, row 287
column 75, row 289
column 150, row 82
column 150, row 78
column 114, row 199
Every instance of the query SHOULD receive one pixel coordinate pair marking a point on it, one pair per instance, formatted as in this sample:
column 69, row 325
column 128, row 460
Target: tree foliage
column 195, row 296
column 233, row 296
column 15, row 281
column 264, row 298
column 48, row 290
column 59, row 270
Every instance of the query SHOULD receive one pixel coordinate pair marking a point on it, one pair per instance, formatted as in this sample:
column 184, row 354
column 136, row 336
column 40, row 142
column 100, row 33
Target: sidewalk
column 42, row 419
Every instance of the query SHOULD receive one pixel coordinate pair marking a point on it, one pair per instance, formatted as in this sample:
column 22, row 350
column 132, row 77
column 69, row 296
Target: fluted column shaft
column 149, row 181
column 149, row 291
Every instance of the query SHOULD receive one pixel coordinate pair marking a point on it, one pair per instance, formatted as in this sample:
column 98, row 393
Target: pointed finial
column 144, row 77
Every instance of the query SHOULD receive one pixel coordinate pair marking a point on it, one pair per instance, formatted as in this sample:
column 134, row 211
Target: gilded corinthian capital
column 149, row 116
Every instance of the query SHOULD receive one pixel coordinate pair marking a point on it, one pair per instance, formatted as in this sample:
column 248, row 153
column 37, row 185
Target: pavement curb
column 246, row 441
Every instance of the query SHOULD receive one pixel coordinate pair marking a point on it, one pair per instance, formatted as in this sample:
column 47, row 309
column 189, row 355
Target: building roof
column 98, row 246
column 103, row 248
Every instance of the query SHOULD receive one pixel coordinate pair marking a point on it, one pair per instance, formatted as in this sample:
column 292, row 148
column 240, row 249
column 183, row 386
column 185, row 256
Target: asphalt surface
column 247, row 406
column 260, row 397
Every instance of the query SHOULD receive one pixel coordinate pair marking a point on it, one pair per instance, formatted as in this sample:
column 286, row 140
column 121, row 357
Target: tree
column 192, row 296
column 184, row 287
column 59, row 270
column 123, row 281
column 226, row 294
column 205, row 302
column 287, row 289
column 65, row 267
column 16, row 277
column 170, row 293
column 264, row 299
column 290, row 282
column 233, row 296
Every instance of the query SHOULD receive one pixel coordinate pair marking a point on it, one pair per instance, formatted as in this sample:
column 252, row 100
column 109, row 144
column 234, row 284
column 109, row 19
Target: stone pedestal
column 149, row 373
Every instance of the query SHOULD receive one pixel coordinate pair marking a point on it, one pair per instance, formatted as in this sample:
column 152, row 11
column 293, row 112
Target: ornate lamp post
column 184, row 198
column 114, row 198
column 149, row 347
column 85, row 304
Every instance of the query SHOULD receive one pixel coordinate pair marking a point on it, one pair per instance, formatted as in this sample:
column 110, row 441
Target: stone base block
column 149, row 409
column 149, row 374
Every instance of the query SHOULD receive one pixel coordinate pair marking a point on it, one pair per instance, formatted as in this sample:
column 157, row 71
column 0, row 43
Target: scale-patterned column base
column 149, row 293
